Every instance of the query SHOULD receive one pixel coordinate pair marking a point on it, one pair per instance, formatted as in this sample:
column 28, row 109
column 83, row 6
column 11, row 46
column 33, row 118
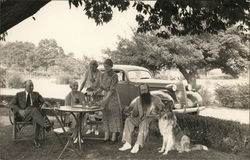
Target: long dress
column 112, row 117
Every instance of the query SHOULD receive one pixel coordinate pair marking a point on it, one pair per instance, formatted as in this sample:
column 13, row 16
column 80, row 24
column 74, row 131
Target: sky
column 72, row 29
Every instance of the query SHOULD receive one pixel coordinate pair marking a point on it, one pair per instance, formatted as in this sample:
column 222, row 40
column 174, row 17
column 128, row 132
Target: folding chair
column 18, row 127
column 61, row 133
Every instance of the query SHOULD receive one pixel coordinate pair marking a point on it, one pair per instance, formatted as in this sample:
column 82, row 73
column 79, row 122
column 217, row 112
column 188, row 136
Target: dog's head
column 167, row 113
column 167, row 108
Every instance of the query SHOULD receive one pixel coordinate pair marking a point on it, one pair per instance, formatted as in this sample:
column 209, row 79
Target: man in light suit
column 146, row 107
column 27, row 104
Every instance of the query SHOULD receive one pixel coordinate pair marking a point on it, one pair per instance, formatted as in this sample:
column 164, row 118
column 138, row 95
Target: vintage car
column 185, row 99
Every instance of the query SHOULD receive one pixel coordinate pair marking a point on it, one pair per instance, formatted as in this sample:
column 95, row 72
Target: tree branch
column 15, row 11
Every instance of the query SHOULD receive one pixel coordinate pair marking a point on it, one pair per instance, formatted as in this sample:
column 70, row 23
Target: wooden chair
column 18, row 127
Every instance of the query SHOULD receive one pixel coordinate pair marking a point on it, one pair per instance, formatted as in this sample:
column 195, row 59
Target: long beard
column 145, row 99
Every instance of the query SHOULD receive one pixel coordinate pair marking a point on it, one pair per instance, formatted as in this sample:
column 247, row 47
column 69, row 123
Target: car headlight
column 172, row 87
column 188, row 87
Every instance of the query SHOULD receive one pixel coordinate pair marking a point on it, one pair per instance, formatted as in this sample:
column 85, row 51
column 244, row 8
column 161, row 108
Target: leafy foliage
column 46, row 53
column 16, row 53
column 174, row 16
column 188, row 53
column 46, row 58
column 219, row 134
column 14, row 80
column 191, row 17
column 235, row 96
column 2, row 77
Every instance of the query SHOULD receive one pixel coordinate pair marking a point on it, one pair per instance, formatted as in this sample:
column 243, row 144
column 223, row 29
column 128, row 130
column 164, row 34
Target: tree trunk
column 15, row 11
column 189, row 76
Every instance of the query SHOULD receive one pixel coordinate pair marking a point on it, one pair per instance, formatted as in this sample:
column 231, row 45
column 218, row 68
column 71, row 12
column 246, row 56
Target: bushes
column 219, row 134
column 2, row 78
column 14, row 80
column 207, row 96
column 11, row 79
column 234, row 96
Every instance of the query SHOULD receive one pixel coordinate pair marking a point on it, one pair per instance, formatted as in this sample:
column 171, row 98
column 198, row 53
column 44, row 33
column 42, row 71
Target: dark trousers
column 39, row 120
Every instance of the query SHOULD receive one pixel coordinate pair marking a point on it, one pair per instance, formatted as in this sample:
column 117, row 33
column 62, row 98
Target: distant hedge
column 215, row 133
column 233, row 96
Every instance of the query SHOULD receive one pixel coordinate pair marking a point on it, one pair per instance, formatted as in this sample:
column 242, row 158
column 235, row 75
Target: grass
column 93, row 149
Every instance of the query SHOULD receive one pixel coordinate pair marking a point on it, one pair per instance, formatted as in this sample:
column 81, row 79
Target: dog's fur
column 173, row 137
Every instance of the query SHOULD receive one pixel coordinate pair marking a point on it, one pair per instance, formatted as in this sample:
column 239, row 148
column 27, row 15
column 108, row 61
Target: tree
column 46, row 54
column 177, row 16
column 72, row 66
column 187, row 53
column 16, row 54
column 143, row 50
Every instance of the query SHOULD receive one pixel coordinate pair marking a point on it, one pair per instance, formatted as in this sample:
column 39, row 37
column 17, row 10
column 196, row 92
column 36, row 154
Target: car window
column 138, row 74
column 120, row 74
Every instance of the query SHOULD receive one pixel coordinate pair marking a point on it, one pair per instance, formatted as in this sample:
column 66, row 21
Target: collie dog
column 173, row 137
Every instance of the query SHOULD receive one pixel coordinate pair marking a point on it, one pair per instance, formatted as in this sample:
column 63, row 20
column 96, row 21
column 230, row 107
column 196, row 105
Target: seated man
column 27, row 104
column 145, row 109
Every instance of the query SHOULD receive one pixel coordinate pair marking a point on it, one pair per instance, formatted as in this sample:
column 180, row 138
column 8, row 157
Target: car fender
column 164, row 95
column 195, row 97
column 160, row 93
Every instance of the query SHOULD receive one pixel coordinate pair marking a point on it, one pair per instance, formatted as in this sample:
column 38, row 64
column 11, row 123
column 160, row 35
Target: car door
column 122, row 87
column 133, row 91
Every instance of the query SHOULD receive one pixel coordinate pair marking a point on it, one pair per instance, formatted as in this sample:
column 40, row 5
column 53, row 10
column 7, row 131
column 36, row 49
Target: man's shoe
column 125, row 147
column 135, row 149
column 37, row 143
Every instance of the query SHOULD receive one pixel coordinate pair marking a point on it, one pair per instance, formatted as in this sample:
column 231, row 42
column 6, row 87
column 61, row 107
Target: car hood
column 156, row 81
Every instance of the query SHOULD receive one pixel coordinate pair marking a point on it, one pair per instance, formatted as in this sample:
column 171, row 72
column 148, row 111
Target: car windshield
column 138, row 74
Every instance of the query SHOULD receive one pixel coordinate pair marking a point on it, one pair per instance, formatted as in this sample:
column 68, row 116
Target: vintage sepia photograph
column 124, row 79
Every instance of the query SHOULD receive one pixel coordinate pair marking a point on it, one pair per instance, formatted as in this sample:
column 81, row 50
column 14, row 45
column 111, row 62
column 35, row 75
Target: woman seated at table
column 75, row 97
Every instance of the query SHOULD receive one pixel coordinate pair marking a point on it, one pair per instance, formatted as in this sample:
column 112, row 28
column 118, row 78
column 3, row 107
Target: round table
column 82, row 110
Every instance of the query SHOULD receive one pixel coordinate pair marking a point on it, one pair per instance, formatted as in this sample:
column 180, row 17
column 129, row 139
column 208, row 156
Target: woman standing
column 111, row 102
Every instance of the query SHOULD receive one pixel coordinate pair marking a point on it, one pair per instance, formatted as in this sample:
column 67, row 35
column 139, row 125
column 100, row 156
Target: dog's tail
column 198, row 147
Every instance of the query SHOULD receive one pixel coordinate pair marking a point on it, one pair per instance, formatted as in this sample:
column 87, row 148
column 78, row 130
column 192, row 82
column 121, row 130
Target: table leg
column 79, row 128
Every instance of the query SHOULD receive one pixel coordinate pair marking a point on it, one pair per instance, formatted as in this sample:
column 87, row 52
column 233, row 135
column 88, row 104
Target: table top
column 76, row 108
column 79, row 108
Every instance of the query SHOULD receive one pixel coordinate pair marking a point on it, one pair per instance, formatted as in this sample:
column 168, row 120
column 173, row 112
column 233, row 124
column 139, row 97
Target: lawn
column 93, row 149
